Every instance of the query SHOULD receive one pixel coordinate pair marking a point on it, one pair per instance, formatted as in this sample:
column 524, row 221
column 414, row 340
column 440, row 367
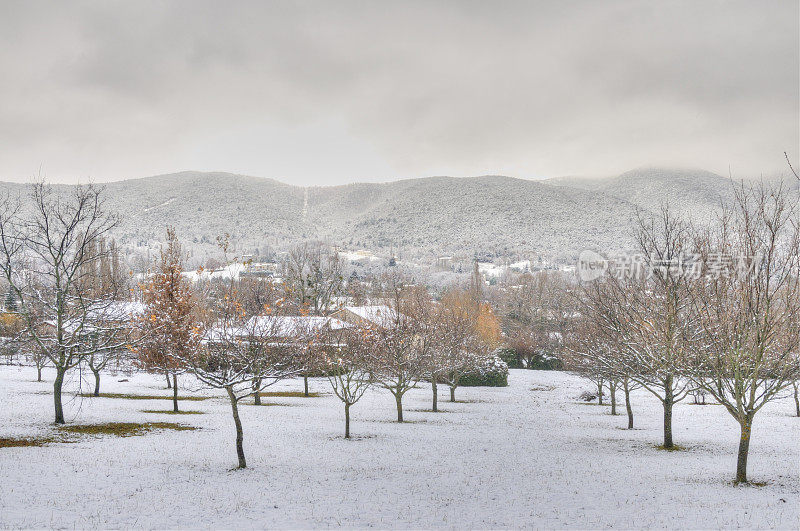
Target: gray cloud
column 328, row 92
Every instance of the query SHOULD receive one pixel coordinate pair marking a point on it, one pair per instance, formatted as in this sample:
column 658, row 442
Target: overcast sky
column 333, row 92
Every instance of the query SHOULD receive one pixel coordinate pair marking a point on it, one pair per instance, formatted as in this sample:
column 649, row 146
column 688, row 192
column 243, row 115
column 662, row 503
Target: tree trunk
column 628, row 404
column 452, row 393
column 744, row 448
column 257, row 391
column 169, row 384
column 612, row 388
column 39, row 378
column 346, row 420
column 796, row 401
column 600, row 393
column 399, row 398
column 57, row 384
column 96, row 382
column 238, row 423
column 305, row 384
column 175, row 392
column 435, row 394
column 668, row 402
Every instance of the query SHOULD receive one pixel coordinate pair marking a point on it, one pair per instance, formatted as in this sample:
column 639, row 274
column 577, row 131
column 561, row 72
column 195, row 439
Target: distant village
column 362, row 263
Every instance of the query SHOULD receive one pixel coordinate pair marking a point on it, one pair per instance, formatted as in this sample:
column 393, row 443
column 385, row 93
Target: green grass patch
column 752, row 484
column 123, row 429
column 144, row 397
column 673, row 448
column 21, row 442
column 289, row 394
column 171, row 412
column 394, row 421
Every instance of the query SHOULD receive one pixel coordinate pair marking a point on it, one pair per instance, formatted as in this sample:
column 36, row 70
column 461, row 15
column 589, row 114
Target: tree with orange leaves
column 468, row 331
column 170, row 328
column 487, row 326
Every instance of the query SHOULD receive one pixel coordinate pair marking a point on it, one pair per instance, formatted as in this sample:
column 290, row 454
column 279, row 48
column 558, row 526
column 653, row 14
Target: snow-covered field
column 528, row 455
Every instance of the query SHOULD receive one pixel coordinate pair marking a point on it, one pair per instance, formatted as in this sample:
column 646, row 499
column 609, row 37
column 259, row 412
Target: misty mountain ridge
column 487, row 215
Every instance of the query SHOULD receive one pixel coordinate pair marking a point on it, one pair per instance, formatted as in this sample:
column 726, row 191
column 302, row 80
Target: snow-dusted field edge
column 528, row 455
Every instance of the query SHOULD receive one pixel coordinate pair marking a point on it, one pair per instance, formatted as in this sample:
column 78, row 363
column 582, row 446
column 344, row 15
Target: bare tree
column 658, row 311
column 314, row 276
column 44, row 254
column 646, row 307
column 102, row 278
column 748, row 330
column 786, row 155
column 598, row 337
column 401, row 364
column 535, row 316
column 402, row 356
column 39, row 359
column 240, row 356
column 119, row 315
column 796, row 395
column 97, row 363
column 258, row 294
column 426, row 318
column 589, row 354
column 349, row 354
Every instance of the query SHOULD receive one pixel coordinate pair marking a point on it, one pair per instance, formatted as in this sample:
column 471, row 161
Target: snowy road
column 508, row 457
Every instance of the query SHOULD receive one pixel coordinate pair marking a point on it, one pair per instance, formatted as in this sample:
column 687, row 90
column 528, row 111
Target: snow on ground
column 528, row 455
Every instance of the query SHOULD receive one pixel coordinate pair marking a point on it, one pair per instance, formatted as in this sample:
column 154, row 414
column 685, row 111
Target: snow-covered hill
column 487, row 215
column 693, row 192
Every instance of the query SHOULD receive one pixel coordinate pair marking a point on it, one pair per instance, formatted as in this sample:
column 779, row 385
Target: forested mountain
column 695, row 193
column 489, row 215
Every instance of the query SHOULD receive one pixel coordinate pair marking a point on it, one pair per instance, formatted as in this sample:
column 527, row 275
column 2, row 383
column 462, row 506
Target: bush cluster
column 539, row 361
column 493, row 372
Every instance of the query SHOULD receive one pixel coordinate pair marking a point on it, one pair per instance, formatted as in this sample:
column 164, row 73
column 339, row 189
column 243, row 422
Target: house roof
column 103, row 312
column 380, row 315
column 292, row 325
column 116, row 311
